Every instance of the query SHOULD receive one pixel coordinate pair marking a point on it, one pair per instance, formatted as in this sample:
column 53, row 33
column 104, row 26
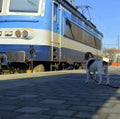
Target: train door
column 56, row 35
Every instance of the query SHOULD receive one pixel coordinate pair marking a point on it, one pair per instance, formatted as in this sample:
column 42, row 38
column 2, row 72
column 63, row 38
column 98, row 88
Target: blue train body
column 53, row 33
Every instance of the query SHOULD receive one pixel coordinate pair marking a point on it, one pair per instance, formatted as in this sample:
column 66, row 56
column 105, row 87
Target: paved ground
column 64, row 96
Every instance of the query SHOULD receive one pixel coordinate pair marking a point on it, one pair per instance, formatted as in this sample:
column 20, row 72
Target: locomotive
column 45, row 35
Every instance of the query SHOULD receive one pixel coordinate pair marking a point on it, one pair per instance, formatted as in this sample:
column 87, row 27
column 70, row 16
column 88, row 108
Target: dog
column 93, row 66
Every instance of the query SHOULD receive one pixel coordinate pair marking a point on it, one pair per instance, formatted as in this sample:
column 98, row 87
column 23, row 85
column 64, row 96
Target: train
column 45, row 35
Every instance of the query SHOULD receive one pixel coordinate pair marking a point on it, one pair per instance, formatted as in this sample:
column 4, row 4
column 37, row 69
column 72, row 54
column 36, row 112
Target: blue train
column 43, row 35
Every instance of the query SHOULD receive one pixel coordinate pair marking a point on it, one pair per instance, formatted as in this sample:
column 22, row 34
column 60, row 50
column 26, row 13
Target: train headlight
column 18, row 33
column 0, row 33
column 8, row 33
column 25, row 34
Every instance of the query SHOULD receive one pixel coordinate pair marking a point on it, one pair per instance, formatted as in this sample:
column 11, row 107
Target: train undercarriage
column 36, row 66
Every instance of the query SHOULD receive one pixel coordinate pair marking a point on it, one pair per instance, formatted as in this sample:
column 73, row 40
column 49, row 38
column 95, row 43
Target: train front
column 22, row 29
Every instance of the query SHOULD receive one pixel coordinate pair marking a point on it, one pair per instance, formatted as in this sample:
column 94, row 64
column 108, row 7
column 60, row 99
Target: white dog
column 93, row 66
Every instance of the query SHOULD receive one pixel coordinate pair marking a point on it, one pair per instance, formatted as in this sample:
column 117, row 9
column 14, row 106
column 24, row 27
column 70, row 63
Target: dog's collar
column 90, row 63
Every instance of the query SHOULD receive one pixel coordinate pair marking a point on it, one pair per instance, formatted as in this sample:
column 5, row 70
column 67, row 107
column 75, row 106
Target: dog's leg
column 99, row 69
column 87, row 73
column 94, row 74
column 107, row 74
column 100, row 78
column 108, row 80
column 100, row 74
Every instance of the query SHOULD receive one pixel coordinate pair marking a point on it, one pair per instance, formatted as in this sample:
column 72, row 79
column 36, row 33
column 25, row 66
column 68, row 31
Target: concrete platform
column 63, row 96
column 39, row 74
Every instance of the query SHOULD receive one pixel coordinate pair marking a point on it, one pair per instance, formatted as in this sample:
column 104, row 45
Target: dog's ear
column 87, row 55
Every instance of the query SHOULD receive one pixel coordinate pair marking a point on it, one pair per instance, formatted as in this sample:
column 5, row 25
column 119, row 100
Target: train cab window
column 1, row 2
column 55, row 12
column 24, row 6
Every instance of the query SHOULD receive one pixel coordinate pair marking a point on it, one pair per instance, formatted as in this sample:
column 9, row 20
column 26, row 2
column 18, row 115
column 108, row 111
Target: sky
column 105, row 15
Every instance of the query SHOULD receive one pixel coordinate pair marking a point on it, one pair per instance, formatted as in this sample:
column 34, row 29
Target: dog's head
column 88, row 55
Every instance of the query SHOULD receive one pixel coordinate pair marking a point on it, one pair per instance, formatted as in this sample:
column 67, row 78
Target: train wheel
column 39, row 68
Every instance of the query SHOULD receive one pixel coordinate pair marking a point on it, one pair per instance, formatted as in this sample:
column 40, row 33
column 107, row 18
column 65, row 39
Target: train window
column 76, row 33
column 55, row 12
column 1, row 1
column 24, row 6
column 79, row 22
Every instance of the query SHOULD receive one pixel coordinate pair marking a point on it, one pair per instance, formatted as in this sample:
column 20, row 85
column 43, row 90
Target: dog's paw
column 86, row 81
column 99, row 83
column 107, row 83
